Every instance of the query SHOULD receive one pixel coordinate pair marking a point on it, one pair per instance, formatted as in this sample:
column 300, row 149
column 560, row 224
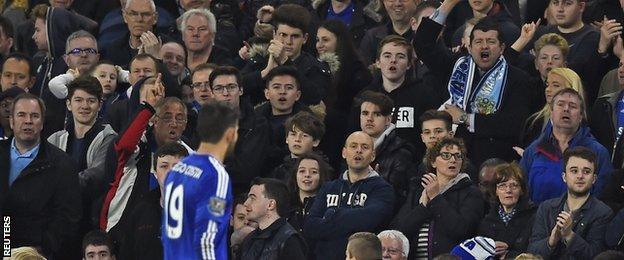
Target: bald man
column 359, row 201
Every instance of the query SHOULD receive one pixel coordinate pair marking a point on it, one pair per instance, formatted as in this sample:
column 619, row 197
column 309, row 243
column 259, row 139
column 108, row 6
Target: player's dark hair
column 214, row 119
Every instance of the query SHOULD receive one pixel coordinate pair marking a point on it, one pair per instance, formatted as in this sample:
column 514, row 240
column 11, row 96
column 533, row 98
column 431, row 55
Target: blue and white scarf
column 486, row 97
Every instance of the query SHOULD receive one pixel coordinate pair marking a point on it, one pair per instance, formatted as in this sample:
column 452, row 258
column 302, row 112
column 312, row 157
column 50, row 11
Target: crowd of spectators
column 368, row 129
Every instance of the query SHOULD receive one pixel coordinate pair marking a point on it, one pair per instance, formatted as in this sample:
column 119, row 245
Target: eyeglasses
column 169, row 119
column 78, row 51
column 228, row 88
column 204, row 84
column 505, row 186
column 391, row 251
column 134, row 15
column 447, row 156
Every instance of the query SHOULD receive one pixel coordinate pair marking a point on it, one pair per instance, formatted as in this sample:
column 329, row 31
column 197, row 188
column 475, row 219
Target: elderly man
column 199, row 28
column 140, row 16
column 541, row 161
column 134, row 153
column 394, row 245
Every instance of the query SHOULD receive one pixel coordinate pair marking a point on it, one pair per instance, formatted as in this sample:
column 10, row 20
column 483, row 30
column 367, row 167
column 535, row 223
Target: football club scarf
column 486, row 96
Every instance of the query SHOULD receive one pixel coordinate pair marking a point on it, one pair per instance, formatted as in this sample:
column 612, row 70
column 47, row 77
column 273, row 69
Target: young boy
column 143, row 237
column 435, row 126
column 303, row 133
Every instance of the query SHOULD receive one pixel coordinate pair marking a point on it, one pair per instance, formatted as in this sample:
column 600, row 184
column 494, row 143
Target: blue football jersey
column 197, row 209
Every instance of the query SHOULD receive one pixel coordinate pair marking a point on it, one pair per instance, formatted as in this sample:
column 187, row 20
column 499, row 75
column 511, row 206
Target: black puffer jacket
column 516, row 233
column 251, row 148
column 453, row 216
column 394, row 161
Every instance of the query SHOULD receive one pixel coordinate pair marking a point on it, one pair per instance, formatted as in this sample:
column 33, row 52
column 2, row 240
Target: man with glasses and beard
column 572, row 226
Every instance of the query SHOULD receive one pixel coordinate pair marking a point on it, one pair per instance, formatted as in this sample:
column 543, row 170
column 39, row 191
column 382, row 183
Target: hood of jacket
column 60, row 23
column 371, row 173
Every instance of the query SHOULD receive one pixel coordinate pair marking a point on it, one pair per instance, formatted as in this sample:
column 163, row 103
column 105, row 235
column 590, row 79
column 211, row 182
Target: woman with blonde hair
column 558, row 79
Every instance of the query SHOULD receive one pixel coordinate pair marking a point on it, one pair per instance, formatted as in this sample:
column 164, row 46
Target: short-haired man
column 254, row 130
column 291, row 23
column 541, row 161
column 87, row 140
column 363, row 246
column 573, row 225
column 17, row 71
column 394, row 245
column 196, row 219
column 267, row 203
column 140, row 16
column 201, row 85
column 394, row 159
column 81, row 51
column 360, row 200
column 394, row 59
column 81, row 54
column 97, row 245
column 400, row 14
column 39, row 184
column 173, row 55
column 303, row 133
column 134, row 153
column 490, row 111
column 199, row 29
column 6, row 104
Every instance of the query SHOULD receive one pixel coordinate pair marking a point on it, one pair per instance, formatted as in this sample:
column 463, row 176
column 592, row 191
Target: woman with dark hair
column 350, row 75
column 310, row 173
column 511, row 215
column 443, row 209
column 334, row 45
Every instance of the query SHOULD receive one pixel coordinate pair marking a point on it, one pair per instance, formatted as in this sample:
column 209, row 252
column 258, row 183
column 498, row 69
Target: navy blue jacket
column 590, row 223
column 342, row 208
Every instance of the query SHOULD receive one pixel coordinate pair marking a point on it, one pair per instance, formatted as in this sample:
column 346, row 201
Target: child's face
column 239, row 218
column 300, row 142
column 163, row 165
column 107, row 76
